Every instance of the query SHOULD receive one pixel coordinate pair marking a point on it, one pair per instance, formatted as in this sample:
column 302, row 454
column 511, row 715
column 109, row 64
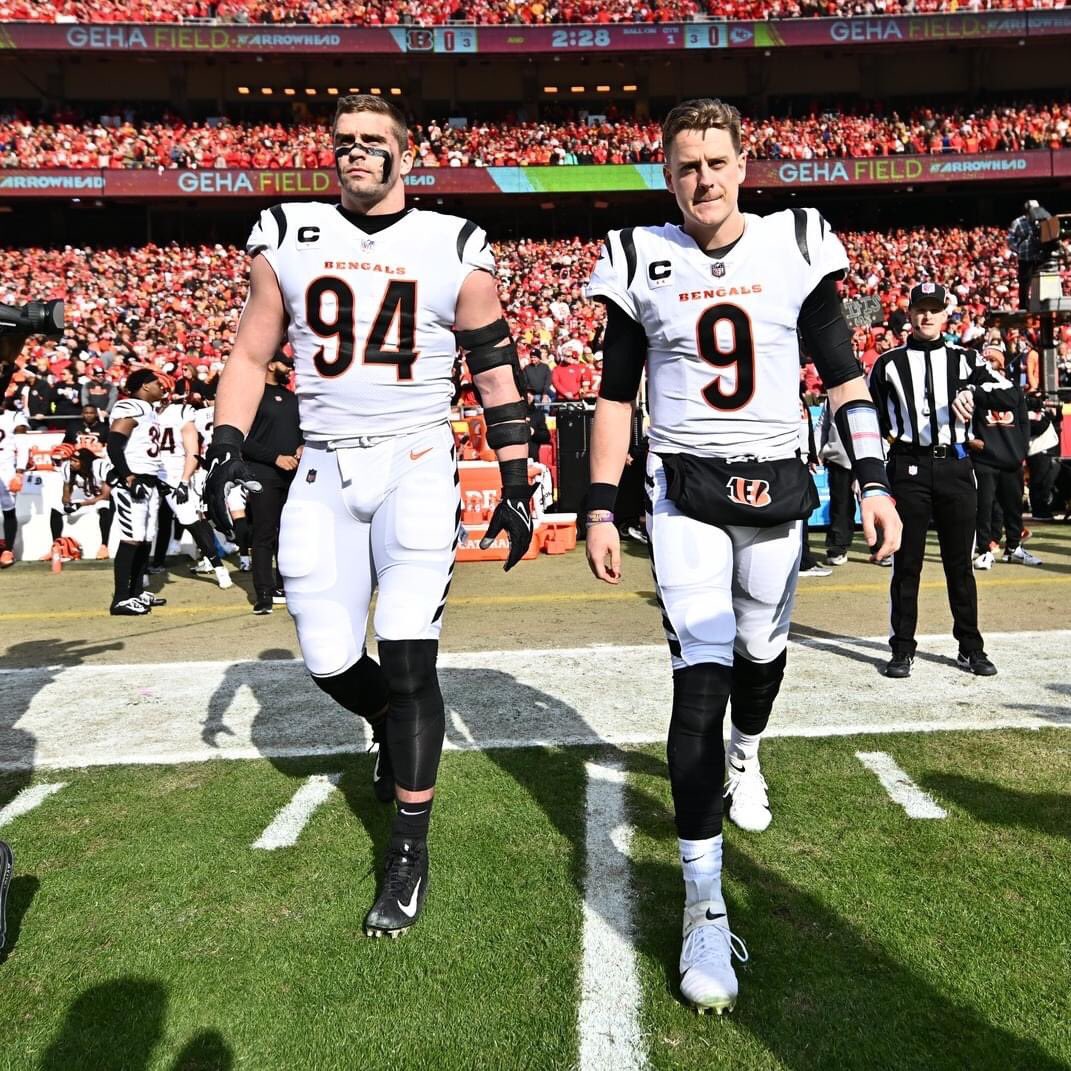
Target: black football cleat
column 130, row 607
column 401, row 897
column 7, row 867
column 383, row 771
column 263, row 605
column 899, row 666
column 976, row 662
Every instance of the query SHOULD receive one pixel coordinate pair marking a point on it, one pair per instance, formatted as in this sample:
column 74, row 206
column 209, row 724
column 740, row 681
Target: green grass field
column 146, row 932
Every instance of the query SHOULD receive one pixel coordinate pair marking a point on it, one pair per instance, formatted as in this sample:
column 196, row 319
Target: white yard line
column 170, row 713
column 608, row 1022
column 286, row 826
column 27, row 800
column 901, row 788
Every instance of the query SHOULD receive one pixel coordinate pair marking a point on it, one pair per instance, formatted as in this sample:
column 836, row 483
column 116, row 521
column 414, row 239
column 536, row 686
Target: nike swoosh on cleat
column 409, row 910
column 416, row 456
column 714, row 918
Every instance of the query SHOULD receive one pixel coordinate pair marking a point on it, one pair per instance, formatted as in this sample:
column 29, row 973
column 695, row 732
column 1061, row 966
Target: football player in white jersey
column 179, row 456
column 12, row 464
column 237, row 497
column 86, row 487
column 711, row 309
column 375, row 300
column 134, row 451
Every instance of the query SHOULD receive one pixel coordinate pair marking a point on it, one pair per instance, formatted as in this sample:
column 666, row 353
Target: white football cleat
column 745, row 793
column 245, row 563
column 223, row 578
column 708, row 981
column 1020, row 556
column 202, row 567
column 984, row 560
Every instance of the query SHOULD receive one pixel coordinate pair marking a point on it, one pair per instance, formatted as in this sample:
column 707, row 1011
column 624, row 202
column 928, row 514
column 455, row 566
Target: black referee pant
column 265, row 512
column 942, row 489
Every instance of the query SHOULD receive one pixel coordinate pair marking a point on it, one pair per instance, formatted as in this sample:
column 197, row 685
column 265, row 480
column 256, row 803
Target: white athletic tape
column 286, row 826
column 608, row 1022
column 901, row 788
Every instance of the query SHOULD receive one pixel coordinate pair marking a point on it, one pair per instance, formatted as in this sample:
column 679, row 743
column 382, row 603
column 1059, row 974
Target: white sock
column 701, row 865
column 743, row 746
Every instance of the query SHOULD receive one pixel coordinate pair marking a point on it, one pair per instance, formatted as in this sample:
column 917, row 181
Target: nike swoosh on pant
column 685, row 859
column 416, row 456
column 409, row 910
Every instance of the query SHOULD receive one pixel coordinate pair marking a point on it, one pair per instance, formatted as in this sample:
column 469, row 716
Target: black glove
column 225, row 469
column 182, row 493
column 513, row 514
column 142, row 487
column 69, row 508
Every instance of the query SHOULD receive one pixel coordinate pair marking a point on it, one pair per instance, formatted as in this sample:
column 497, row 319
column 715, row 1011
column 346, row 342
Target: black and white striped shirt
column 913, row 387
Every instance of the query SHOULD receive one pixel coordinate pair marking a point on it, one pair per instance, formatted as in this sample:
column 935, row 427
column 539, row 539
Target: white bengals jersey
column 204, row 421
column 87, row 488
column 172, row 451
column 723, row 355
column 370, row 315
column 9, row 421
column 143, row 447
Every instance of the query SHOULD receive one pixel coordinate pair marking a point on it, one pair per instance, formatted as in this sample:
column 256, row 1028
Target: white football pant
column 385, row 515
column 721, row 589
column 137, row 520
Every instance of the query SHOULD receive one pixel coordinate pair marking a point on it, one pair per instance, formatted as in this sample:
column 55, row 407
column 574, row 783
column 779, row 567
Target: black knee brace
column 695, row 750
column 755, row 687
column 361, row 689
column 416, row 722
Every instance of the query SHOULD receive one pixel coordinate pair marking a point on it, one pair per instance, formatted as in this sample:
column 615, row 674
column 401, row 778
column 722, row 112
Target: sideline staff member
column 273, row 449
column 924, row 391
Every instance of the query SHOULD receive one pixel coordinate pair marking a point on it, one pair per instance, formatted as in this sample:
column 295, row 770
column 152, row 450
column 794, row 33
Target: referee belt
column 943, row 451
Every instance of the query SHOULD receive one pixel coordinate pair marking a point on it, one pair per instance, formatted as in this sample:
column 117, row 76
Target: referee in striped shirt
column 924, row 391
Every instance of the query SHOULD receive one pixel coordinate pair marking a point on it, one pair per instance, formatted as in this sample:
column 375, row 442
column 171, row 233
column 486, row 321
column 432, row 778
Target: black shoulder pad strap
column 799, row 217
column 483, row 336
column 280, row 220
column 463, row 238
column 628, row 244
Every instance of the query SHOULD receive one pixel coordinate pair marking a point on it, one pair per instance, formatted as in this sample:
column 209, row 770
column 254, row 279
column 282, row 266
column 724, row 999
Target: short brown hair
column 366, row 102
column 705, row 113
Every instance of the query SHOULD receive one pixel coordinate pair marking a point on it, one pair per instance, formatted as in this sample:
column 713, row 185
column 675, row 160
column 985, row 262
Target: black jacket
column 1005, row 433
column 276, row 430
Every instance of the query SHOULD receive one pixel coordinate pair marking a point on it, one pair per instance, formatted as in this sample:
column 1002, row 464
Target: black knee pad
column 695, row 749
column 416, row 722
column 361, row 689
column 755, row 687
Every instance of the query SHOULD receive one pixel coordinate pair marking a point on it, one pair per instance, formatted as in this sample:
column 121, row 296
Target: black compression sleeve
column 827, row 336
column 117, row 453
column 624, row 353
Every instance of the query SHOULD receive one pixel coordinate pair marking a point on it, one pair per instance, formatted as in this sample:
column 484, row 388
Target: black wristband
column 870, row 472
column 602, row 496
column 514, row 475
column 227, row 435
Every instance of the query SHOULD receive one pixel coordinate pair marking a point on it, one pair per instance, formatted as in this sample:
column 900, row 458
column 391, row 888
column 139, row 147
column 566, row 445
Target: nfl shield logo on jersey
column 367, row 245
column 749, row 492
column 717, row 269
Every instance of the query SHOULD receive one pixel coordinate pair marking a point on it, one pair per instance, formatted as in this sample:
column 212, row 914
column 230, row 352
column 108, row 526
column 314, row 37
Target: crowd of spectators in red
column 176, row 307
column 483, row 12
column 67, row 141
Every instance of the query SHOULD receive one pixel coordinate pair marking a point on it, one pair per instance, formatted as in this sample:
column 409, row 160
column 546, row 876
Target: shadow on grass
column 1041, row 812
column 205, row 1052
column 855, row 649
column 818, row 993
column 20, row 895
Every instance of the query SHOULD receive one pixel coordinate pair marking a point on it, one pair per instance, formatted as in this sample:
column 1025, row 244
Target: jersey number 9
column 723, row 339
column 399, row 305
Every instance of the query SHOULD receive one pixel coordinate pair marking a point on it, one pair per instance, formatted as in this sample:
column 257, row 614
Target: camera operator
column 1024, row 240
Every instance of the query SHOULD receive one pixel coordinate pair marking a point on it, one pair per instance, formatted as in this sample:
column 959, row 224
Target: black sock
column 11, row 528
column 410, row 823
column 55, row 522
column 137, row 573
column 242, row 535
column 124, row 568
column 206, row 544
column 104, row 518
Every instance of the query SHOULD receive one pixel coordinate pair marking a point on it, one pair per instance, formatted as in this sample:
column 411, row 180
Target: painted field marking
column 28, row 799
column 286, row 826
column 901, row 788
column 608, row 1023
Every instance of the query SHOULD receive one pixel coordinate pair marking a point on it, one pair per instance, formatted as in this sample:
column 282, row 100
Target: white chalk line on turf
column 900, row 787
column 286, row 826
column 170, row 713
column 608, row 1023
column 27, row 800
